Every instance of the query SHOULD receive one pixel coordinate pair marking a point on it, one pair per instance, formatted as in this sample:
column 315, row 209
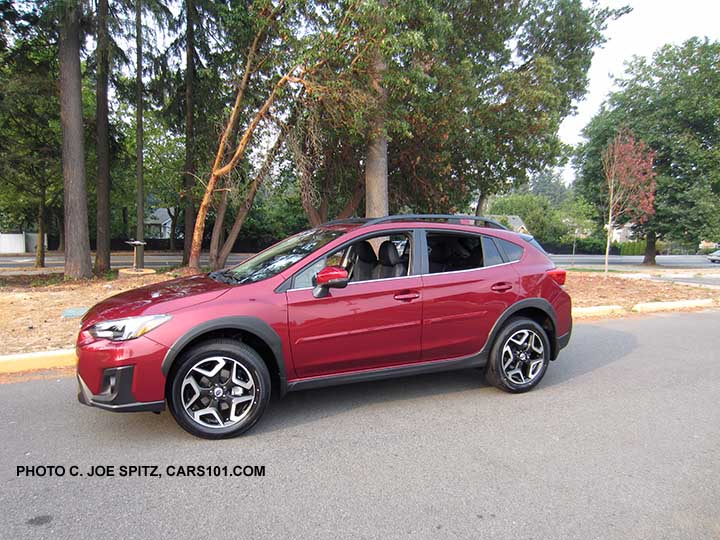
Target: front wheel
column 519, row 357
column 220, row 389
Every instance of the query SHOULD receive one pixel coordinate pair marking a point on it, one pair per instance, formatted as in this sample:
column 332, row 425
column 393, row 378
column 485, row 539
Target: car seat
column 389, row 265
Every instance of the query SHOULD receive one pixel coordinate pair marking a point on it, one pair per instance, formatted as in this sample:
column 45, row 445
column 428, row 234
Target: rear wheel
column 220, row 389
column 519, row 357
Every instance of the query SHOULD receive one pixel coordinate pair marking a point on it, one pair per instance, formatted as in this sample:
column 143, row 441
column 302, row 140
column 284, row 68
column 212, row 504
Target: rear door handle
column 501, row 286
column 406, row 296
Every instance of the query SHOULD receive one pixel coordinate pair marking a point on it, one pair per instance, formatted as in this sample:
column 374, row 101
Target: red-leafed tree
column 628, row 168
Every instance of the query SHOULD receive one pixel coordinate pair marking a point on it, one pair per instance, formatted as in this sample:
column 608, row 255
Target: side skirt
column 466, row 362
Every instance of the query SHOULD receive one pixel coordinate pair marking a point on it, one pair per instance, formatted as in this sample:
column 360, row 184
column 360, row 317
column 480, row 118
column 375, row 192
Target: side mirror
column 329, row 277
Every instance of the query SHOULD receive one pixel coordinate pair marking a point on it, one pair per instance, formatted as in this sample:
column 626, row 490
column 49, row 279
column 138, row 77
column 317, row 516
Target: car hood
column 155, row 299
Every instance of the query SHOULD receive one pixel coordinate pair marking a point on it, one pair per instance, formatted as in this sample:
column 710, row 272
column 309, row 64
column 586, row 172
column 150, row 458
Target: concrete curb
column 66, row 358
column 595, row 311
column 650, row 307
column 16, row 363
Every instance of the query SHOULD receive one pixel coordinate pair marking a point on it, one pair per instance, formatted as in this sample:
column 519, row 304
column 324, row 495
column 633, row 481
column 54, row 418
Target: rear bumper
column 116, row 394
column 562, row 341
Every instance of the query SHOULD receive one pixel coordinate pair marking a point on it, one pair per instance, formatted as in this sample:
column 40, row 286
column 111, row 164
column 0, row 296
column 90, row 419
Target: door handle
column 501, row 286
column 406, row 296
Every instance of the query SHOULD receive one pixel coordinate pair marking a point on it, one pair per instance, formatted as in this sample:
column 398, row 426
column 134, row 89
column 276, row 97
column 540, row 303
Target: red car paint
column 365, row 326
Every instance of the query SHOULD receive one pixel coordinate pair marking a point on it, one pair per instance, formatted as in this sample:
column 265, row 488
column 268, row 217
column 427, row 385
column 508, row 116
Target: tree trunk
column 221, row 171
column 650, row 248
column 215, row 239
column 102, row 249
column 189, row 177
column 140, row 229
column 61, row 231
column 245, row 207
column 40, row 248
column 480, row 207
column 376, row 165
column 173, row 227
column 77, row 237
column 376, row 171
column 607, row 242
column 352, row 205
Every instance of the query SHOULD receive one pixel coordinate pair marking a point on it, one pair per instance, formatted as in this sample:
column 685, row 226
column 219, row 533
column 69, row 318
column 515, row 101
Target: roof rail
column 346, row 221
column 490, row 223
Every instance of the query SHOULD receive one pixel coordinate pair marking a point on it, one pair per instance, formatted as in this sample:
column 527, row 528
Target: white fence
column 19, row 242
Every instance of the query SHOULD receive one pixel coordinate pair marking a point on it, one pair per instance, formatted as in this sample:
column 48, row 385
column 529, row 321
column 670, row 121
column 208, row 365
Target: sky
column 651, row 24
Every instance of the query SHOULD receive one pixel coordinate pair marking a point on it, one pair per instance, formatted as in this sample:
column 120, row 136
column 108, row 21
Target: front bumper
column 116, row 394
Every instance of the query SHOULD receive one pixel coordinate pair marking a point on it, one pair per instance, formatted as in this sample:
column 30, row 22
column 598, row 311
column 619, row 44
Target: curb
column 650, row 307
column 595, row 311
column 66, row 358
column 16, row 363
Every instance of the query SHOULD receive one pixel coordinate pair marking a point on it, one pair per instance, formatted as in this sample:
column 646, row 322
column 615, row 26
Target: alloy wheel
column 218, row 392
column 523, row 356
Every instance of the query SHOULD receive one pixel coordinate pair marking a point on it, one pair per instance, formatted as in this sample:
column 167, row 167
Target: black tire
column 251, row 365
column 494, row 372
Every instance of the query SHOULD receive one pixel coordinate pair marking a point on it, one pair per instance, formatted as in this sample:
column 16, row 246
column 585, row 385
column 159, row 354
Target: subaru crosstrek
column 348, row 301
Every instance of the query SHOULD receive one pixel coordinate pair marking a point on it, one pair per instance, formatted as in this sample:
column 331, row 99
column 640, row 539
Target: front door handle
column 406, row 296
column 501, row 286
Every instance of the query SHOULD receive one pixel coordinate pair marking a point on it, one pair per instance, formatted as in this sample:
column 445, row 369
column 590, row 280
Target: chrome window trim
column 471, row 269
column 368, row 236
column 415, row 276
column 464, row 233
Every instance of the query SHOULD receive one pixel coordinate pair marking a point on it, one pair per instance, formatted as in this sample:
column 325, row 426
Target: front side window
column 278, row 258
column 378, row 257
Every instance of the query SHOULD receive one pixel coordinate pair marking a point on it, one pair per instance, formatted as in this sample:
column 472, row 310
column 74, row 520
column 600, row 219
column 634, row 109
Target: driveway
column 621, row 440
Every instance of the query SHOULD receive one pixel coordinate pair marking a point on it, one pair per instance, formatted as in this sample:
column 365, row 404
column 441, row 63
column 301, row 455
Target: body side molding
column 465, row 362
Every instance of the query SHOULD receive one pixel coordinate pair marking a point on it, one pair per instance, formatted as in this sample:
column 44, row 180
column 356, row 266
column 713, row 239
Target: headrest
column 389, row 254
column 365, row 252
column 440, row 253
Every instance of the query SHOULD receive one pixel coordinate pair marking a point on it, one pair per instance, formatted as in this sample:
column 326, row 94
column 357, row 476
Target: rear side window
column 513, row 252
column 458, row 252
column 490, row 251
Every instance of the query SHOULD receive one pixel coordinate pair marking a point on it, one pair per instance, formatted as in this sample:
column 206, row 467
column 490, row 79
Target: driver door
column 369, row 324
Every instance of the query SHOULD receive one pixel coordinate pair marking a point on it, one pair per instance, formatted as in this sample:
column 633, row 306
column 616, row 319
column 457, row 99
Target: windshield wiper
column 224, row 276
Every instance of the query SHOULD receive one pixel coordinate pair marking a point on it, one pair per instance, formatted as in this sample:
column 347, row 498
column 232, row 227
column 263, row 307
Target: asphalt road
column 673, row 261
column 152, row 260
column 620, row 440
column 158, row 260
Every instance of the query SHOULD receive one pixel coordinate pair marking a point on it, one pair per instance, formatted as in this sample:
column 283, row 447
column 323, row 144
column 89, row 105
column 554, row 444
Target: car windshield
column 277, row 258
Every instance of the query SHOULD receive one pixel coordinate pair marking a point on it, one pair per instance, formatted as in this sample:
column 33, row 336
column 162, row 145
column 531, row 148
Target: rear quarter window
column 491, row 255
column 513, row 252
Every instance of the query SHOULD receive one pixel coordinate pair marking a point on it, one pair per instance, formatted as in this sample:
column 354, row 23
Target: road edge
column 36, row 361
column 66, row 358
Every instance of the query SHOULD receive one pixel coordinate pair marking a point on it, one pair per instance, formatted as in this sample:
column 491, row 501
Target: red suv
column 353, row 300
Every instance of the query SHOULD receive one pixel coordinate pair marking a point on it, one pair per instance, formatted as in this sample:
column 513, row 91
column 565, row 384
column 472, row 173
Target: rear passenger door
column 467, row 285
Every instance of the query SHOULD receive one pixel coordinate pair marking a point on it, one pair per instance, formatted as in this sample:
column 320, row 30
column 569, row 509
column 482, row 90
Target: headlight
column 130, row 328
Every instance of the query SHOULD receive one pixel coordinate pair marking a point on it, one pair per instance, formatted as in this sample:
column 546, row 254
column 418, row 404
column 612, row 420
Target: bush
column 636, row 247
column 583, row 246
column 541, row 219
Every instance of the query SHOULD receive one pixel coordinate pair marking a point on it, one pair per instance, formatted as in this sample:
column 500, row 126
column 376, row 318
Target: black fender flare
column 253, row 325
column 536, row 303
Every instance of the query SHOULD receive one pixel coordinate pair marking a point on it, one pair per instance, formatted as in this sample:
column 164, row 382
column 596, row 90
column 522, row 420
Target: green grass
column 595, row 270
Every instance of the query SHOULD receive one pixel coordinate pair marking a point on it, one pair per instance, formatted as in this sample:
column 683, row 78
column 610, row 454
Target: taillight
column 558, row 275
